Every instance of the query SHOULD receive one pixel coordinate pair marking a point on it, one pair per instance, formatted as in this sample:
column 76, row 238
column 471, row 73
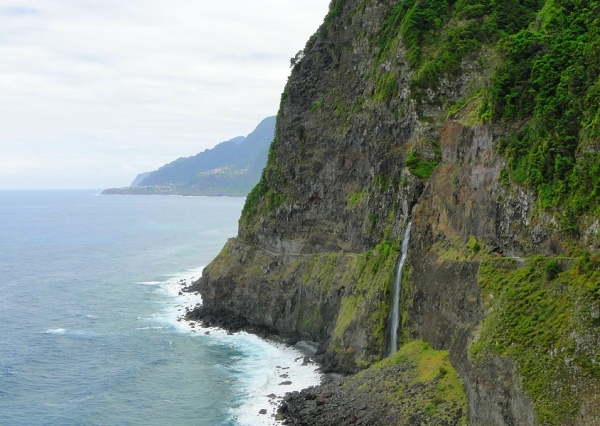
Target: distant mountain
column 139, row 178
column 230, row 168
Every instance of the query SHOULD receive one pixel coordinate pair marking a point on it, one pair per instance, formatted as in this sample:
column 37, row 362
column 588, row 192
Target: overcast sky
column 93, row 92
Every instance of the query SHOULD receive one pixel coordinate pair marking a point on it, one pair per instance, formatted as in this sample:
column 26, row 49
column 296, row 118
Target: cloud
column 17, row 11
column 143, row 82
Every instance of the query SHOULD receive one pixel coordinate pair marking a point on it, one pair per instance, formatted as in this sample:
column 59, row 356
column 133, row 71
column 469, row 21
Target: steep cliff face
column 385, row 120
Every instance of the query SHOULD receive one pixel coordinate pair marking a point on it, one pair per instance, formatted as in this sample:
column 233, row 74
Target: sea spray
column 264, row 371
column 398, row 290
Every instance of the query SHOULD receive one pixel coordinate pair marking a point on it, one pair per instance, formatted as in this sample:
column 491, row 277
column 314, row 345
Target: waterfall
column 398, row 290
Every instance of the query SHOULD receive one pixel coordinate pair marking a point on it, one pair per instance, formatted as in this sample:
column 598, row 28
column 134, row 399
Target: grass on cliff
column 426, row 383
column 266, row 196
column 363, row 281
column 545, row 317
column 368, row 300
column 433, row 365
column 419, row 166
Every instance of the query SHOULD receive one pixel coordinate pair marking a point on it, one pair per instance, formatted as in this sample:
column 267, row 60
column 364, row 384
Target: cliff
column 231, row 168
column 478, row 122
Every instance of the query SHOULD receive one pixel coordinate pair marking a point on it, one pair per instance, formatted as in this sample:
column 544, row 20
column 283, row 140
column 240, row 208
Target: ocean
column 89, row 307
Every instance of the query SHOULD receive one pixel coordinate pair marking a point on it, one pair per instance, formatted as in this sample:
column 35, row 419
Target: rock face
column 355, row 158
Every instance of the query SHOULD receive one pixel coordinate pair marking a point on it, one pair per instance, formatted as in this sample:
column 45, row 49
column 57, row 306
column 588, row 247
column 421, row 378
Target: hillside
column 478, row 122
column 230, row 168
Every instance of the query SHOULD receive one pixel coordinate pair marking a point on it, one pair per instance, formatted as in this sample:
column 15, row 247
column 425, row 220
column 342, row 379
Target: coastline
column 290, row 368
column 362, row 398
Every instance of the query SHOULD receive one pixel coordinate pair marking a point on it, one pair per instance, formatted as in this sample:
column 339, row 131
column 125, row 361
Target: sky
column 93, row 92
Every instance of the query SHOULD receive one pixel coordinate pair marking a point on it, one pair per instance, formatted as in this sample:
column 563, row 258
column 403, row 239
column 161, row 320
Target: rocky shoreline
column 236, row 324
column 359, row 399
column 363, row 401
column 195, row 315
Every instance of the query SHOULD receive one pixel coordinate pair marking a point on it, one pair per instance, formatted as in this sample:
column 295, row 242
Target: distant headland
column 231, row 168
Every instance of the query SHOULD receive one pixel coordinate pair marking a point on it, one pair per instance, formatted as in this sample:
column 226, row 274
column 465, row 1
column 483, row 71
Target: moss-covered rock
column 416, row 386
column 341, row 300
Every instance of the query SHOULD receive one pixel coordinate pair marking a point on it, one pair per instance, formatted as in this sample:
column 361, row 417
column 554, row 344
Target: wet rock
column 322, row 401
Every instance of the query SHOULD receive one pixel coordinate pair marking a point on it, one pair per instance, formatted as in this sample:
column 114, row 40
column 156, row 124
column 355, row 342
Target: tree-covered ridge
column 547, row 83
column 550, row 79
column 439, row 34
column 231, row 168
column 237, row 154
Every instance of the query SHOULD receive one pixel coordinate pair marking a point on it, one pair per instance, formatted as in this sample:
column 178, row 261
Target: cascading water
column 398, row 290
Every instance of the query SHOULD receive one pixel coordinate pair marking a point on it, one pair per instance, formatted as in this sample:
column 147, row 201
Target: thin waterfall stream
column 398, row 290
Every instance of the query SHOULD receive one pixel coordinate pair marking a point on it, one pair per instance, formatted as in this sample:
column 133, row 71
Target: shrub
column 552, row 269
column 420, row 167
column 549, row 78
column 473, row 245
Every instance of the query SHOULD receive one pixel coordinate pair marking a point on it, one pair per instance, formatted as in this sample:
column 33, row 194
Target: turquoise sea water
column 88, row 308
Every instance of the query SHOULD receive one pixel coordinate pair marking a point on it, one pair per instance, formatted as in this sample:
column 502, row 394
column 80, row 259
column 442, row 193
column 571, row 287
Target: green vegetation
column 254, row 197
column 473, row 245
column 547, row 84
column 458, row 106
column 433, row 365
column 382, row 253
column 356, row 198
column 386, row 88
column 439, row 34
column 546, row 321
column 551, row 78
column 335, row 10
column 373, row 219
column 345, row 107
column 383, row 182
column 428, row 385
column 419, row 166
column 368, row 302
column 265, row 197
column 552, row 269
column 364, row 304
column 317, row 105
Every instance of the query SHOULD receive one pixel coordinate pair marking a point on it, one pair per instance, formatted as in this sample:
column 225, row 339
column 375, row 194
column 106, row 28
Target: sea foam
column 266, row 371
column 56, row 331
